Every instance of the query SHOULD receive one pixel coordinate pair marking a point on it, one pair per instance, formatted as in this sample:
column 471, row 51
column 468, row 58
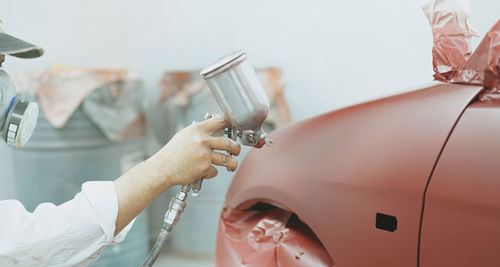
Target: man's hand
column 187, row 157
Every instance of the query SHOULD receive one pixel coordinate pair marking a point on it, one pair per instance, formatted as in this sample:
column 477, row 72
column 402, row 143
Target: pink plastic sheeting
column 273, row 237
column 452, row 34
column 483, row 67
column 451, row 53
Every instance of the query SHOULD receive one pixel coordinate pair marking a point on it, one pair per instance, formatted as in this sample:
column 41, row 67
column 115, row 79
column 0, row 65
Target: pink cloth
column 62, row 90
column 111, row 98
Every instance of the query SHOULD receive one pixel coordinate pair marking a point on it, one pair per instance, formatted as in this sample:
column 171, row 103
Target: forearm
column 135, row 190
column 187, row 157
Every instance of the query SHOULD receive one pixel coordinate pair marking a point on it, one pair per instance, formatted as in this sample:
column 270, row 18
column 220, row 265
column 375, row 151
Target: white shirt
column 73, row 233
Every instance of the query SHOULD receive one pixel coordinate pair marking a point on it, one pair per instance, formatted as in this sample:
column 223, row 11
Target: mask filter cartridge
column 18, row 117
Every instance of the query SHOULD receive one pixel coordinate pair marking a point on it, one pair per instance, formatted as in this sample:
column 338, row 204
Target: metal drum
column 56, row 162
column 7, row 190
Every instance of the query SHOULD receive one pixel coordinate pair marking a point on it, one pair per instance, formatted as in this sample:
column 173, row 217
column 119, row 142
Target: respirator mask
column 18, row 117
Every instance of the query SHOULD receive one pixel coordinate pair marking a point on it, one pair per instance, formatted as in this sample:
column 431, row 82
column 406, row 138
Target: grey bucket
column 56, row 162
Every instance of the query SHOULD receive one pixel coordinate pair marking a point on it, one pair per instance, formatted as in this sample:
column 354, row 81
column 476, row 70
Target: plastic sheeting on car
column 483, row 67
column 270, row 237
column 452, row 34
column 451, row 52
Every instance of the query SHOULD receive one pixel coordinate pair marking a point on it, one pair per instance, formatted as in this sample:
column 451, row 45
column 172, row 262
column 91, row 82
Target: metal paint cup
column 238, row 91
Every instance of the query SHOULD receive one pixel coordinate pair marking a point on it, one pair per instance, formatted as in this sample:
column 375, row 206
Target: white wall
column 333, row 53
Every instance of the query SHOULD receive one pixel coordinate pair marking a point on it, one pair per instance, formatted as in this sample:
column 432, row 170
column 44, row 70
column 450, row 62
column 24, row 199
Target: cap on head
column 10, row 45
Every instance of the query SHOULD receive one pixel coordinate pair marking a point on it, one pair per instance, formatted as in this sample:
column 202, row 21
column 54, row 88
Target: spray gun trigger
column 196, row 187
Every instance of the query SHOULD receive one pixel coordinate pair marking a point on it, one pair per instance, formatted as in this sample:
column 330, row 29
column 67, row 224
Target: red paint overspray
column 274, row 237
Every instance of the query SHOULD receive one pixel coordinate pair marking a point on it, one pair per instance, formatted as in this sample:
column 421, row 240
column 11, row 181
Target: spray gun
column 240, row 95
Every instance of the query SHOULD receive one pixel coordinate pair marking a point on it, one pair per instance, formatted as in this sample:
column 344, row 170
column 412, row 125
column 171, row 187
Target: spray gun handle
column 195, row 187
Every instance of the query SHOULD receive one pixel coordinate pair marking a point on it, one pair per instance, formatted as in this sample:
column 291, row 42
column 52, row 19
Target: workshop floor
column 171, row 259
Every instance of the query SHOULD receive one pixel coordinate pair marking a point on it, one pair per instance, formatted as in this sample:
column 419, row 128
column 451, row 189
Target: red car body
column 407, row 180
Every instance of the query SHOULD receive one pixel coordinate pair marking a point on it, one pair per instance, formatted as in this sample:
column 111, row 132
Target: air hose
column 172, row 216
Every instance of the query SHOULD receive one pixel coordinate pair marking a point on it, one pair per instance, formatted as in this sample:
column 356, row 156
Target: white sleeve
column 73, row 233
